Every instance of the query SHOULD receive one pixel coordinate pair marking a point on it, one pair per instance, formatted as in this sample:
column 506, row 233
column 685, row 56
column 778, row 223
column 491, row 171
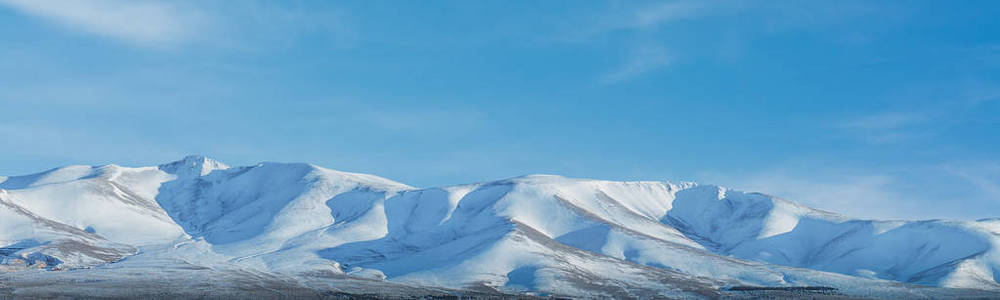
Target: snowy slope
column 114, row 202
column 270, row 214
column 28, row 241
column 763, row 228
column 533, row 234
column 515, row 233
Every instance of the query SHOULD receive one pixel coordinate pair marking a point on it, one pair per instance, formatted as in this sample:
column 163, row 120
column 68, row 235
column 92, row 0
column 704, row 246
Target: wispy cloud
column 427, row 120
column 855, row 195
column 886, row 127
column 661, row 19
column 648, row 57
column 959, row 105
column 640, row 60
column 650, row 17
column 884, row 121
column 625, row 18
column 982, row 93
column 983, row 175
column 144, row 23
column 952, row 189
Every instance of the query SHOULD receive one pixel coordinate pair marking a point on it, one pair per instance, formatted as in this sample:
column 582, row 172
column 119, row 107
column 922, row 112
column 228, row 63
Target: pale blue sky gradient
column 873, row 108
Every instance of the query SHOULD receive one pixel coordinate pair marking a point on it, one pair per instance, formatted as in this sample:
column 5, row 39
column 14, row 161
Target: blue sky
column 877, row 109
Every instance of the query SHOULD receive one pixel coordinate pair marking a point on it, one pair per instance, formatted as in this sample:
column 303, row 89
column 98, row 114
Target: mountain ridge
column 527, row 234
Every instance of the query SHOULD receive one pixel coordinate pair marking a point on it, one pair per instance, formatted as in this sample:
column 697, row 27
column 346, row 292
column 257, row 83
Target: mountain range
column 197, row 227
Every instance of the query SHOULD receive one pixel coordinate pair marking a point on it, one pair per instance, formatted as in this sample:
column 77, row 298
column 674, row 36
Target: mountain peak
column 193, row 166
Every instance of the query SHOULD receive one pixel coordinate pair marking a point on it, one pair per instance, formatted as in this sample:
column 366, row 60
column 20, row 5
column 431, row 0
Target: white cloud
column 641, row 60
column 955, row 189
column 663, row 13
column 884, row 121
column 643, row 19
column 632, row 18
column 922, row 120
column 144, row 23
column 983, row 175
column 982, row 93
column 428, row 120
column 650, row 56
column 855, row 195
column 890, row 127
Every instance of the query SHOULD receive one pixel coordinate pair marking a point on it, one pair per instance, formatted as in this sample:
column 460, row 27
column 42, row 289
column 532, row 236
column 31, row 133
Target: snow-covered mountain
column 301, row 227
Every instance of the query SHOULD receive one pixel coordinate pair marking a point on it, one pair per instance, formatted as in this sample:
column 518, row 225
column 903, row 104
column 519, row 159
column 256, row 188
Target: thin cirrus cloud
column 649, row 57
column 889, row 127
column 641, row 60
column 920, row 122
column 858, row 195
column 884, row 121
column 983, row 175
column 883, row 190
column 654, row 16
column 142, row 23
